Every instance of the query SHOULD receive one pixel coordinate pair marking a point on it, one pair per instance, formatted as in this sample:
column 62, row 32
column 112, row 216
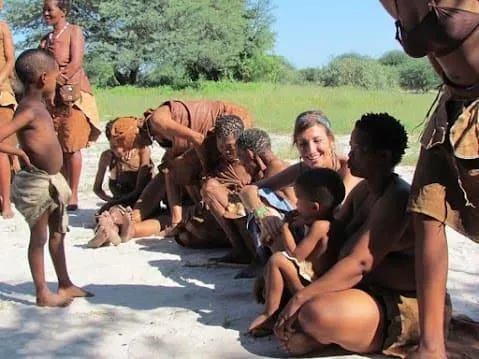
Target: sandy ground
column 148, row 304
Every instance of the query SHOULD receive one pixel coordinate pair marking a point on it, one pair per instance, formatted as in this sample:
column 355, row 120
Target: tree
column 394, row 58
column 418, row 75
column 199, row 39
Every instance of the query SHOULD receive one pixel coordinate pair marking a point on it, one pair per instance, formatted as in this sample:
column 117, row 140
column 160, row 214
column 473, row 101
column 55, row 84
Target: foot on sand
column 6, row 209
column 262, row 326
column 127, row 228
column 299, row 344
column 105, row 222
column 49, row 299
column 7, row 213
column 73, row 291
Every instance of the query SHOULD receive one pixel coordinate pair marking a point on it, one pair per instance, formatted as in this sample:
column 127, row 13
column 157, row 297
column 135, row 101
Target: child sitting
column 318, row 191
column 129, row 164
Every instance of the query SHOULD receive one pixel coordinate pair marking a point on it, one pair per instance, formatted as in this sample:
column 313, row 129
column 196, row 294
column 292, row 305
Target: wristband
column 260, row 212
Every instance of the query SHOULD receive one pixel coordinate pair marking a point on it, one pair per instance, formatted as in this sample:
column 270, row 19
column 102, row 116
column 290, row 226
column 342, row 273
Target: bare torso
column 400, row 252
column 461, row 66
column 39, row 140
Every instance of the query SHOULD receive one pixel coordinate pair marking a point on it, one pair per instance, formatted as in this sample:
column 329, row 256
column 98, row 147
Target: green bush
column 360, row 72
column 417, row 75
column 393, row 58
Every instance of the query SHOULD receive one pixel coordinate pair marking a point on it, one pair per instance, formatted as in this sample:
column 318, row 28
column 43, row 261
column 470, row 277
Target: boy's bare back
column 37, row 137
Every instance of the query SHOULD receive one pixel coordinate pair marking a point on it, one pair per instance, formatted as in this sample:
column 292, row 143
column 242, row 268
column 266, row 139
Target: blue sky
column 311, row 32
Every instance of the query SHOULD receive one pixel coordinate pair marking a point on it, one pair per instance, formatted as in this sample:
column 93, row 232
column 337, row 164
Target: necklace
column 52, row 39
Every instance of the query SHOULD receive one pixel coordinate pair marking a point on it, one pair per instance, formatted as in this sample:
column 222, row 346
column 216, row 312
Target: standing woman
column 445, row 189
column 74, row 113
column 7, row 107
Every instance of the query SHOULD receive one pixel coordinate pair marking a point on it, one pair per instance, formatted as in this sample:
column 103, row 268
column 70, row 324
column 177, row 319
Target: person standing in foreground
column 445, row 189
column 75, row 112
column 7, row 107
column 40, row 192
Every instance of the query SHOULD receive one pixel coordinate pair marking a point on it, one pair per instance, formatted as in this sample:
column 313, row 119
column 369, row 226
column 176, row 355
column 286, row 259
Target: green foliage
column 417, row 75
column 311, row 74
column 393, row 58
column 175, row 41
column 358, row 71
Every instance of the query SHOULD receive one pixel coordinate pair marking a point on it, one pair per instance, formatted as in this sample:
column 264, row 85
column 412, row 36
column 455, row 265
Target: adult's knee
column 317, row 320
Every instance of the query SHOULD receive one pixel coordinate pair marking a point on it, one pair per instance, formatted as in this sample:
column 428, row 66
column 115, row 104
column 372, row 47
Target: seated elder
column 365, row 301
column 129, row 171
column 253, row 154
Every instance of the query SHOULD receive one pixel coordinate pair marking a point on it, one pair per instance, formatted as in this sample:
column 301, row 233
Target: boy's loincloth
column 34, row 191
column 305, row 267
column 446, row 182
column 401, row 317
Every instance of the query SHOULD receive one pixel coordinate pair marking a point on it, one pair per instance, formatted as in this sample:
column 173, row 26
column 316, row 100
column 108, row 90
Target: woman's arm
column 282, row 179
column 77, row 49
column 103, row 163
column 373, row 241
column 9, row 51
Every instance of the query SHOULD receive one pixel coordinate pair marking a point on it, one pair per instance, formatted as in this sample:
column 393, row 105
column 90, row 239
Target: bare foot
column 299, row 344
column 49, row 299
column 127, row 228
column 100, row 238
column 262, row 326
column 7, row 212
column 73, row 291
column 105, row 222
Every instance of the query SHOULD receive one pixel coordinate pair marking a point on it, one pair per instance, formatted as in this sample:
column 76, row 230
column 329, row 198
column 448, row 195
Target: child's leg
column 38, row 238
column 279, row 271
column 5, row 178
column 431, row 274
column 57, row 253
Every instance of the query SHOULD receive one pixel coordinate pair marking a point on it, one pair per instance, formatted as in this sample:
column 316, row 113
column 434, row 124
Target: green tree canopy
column 164, row 38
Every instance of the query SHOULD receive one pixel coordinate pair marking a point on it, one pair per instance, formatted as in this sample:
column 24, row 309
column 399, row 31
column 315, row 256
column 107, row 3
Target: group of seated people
column 328, row 238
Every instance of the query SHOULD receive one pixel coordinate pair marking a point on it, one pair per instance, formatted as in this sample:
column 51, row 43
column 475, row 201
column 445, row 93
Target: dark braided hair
column 255, row 140
column 229, row 125
column 385, row 133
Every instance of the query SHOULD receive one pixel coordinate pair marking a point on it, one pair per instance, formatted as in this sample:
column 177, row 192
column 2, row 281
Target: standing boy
column 39, row 191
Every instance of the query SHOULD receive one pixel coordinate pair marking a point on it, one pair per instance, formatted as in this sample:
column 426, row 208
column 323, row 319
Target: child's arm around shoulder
column 21, row 120
column 317, row 235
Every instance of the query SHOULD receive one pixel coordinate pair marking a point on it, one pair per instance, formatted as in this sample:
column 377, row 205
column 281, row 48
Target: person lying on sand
column 39, row 190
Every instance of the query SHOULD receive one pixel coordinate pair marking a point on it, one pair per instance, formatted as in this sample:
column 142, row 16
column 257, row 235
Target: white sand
column 147, row 303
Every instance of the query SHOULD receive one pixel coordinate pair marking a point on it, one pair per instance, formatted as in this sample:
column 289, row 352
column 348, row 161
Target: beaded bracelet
column 260, row 212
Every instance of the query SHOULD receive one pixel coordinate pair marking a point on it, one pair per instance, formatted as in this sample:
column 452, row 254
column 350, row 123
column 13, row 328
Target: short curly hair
column 229, row 125
column 385, row 133
column 255, row 140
